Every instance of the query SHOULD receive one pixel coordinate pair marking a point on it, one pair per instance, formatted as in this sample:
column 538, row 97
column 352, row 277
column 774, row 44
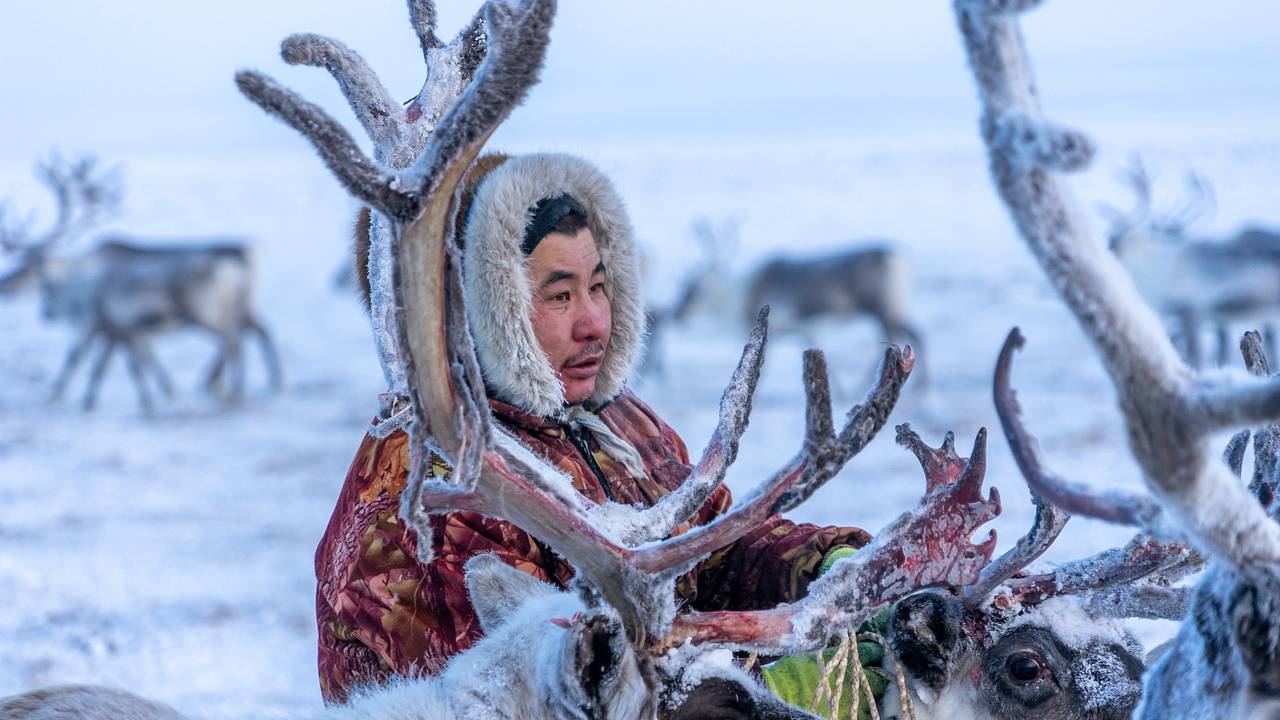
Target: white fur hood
column 498, row 294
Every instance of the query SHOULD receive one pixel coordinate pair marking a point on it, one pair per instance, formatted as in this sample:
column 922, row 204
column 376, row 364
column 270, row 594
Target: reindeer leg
column 74, row 356
column 234, row 357
column 269, row 355
column 1191, row 335
column 99, row 368
column 136, row 353
column 214, row 376
column 1224, row 343
column 148, row 358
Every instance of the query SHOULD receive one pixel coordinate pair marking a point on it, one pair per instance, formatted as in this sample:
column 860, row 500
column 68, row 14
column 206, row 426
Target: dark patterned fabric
column 381, row 613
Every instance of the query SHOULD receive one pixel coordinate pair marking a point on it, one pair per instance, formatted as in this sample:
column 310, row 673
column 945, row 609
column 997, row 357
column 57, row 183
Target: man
column 552, row 290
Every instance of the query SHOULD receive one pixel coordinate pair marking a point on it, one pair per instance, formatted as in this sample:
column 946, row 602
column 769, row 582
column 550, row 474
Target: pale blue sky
column 155, row 75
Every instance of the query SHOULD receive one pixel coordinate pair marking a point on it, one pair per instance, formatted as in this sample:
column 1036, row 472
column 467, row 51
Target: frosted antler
column 399, row 136
column 925, row 547
column 627, row 564
column 1050, row 519
column 1170, row 412
column 637, row 580
column 1117, row 570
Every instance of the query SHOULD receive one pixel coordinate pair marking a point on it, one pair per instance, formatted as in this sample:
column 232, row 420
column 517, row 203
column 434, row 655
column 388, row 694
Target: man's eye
column 560, row 297
column 598, row 287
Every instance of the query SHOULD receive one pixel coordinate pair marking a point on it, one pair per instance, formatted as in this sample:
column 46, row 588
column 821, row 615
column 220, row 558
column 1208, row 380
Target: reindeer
column 1225, row 661
column 869, row 278
column 1195, row 280
column 124, row 291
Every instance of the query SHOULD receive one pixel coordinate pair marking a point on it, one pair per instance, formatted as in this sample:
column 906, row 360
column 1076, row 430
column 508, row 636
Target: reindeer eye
column 1024, row 668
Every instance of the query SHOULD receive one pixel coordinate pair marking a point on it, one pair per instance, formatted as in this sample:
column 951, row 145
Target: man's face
column 571, row 315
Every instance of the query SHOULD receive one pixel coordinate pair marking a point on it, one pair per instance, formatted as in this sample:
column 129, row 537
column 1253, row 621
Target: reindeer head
column 1136, row 234
column 1027, row 645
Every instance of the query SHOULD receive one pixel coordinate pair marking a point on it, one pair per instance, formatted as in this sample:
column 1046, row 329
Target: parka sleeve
column 381, row 611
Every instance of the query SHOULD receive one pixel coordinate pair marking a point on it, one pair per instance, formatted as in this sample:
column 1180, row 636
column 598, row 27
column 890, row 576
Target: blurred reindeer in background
column 1196, row 280
column 123, row 291
column 869, row 279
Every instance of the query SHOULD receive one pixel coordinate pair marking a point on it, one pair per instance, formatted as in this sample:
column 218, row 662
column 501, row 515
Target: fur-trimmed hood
column 498, row 294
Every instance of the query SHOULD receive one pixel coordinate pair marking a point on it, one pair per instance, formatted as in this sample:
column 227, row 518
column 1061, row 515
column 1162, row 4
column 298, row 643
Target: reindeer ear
column 497, row 590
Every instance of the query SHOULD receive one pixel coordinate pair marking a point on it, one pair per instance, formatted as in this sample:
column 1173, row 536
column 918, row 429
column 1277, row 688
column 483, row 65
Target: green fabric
column 833, row 556
column 795, row 679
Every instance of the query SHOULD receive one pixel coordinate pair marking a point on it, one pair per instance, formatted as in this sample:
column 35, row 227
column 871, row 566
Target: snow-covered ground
column 173, row 556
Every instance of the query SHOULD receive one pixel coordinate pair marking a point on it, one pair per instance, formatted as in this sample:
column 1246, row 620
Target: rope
column 904, row 695
column 844, row 662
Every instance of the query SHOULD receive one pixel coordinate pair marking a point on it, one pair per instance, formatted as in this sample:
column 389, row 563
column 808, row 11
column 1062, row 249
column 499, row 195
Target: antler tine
column 81, row 193
column 1170, row 413
column 661, row 519
column 926, row 547
column 1139, row 179
column 360, row 175
column 422, row 15
column 1049, row 520
column 468, row 48
column 1045, row 485
column 1180, row 217
column 1151, row 602
column 379, row 114
column 498, row 87
column 1142, row 558
column 52, row 173
column 821, row 459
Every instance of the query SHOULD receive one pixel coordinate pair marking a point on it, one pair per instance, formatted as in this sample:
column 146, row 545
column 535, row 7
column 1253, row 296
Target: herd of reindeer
column 969, row 636
column 126, row 290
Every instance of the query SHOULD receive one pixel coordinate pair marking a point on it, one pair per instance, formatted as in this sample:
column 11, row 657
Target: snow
column 173, row 557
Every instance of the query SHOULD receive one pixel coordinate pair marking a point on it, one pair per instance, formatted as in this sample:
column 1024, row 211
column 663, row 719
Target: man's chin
column 576, row 392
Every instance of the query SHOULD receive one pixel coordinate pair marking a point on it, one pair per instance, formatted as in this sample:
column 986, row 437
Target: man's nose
column 592, row 322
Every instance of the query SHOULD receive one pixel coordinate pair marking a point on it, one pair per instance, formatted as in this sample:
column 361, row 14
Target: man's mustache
column 593, row 351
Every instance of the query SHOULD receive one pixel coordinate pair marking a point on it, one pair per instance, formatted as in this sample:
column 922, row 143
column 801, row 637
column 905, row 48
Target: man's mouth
column 584, row 367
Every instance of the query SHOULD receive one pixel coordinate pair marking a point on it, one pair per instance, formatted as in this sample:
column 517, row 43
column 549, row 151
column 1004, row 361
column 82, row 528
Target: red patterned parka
column 382, row 613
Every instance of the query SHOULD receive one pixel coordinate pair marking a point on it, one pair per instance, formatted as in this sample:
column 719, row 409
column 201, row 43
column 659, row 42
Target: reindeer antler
column 926, row 547
column 1117, row 572
column 1050, row 519
column 398, row 134
column 1170, row 412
